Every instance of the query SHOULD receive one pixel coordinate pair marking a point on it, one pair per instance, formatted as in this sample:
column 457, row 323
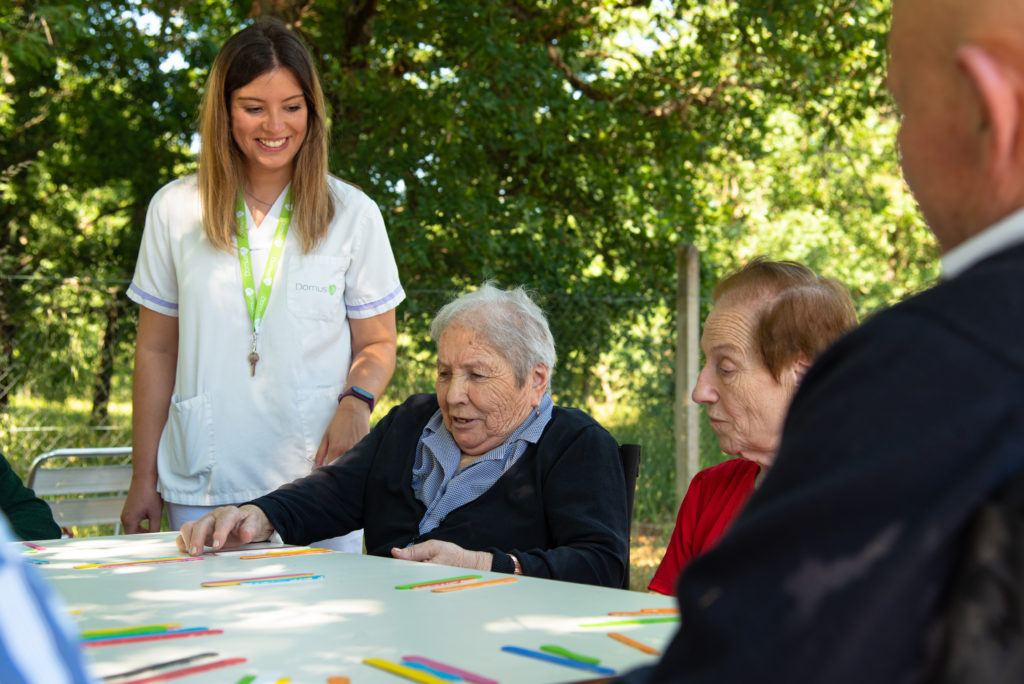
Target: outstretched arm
column 224, row 526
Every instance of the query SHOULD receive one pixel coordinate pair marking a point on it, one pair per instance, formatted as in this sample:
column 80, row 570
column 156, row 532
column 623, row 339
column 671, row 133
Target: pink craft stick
column 186, row 671
column 150, row 637
column 450, row 669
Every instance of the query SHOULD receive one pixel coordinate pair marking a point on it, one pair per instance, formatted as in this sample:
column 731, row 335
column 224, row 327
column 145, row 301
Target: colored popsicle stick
column 637, row 621
column 187, row 671
column 437, row 673
column 640, row 646
column 436, row 583
column 474, row 585
column 277, row 554
column 128, row 631
column 180, row 634
column 566, row 653
column 646, row 611
column 265, row 578
column 171, row 559
column 155, row 632
column 404, row 671
column 558, row 660
column 283, row 579
column 160, row 666
column 471, row 677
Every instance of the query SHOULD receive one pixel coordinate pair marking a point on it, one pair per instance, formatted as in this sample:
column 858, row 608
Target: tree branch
column 576, row 82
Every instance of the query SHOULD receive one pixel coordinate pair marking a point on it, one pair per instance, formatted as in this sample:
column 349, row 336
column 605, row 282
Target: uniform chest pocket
column 316, row 286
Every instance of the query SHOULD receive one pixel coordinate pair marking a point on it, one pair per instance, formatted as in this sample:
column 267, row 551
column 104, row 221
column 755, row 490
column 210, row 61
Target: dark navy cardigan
column 561, row 509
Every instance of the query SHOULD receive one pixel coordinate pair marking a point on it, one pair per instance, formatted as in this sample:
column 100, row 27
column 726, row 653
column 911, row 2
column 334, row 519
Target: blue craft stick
column 568, row 662
column 281, row 579
column 437, row 673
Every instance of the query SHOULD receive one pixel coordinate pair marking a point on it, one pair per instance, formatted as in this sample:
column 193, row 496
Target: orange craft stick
column 646, row 611
column 473, row 585
column 634, row 643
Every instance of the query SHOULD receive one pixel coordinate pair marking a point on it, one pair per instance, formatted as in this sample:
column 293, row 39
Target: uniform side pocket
column 187, row 444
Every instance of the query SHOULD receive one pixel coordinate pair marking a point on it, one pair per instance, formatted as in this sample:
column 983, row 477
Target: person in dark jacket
column 486, row 474
column 839, row 568
column 29, row 516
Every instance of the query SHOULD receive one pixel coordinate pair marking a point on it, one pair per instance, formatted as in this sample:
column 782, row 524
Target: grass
column 646, row 549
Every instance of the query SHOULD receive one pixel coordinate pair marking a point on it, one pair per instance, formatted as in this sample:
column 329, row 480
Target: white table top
column 309, row 630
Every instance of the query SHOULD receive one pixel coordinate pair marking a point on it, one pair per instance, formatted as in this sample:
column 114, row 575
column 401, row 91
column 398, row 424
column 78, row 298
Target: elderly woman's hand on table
column 224, row 526
column 445, row 553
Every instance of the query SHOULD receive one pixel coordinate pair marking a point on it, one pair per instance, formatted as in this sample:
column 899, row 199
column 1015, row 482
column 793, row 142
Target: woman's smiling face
column 268, row 120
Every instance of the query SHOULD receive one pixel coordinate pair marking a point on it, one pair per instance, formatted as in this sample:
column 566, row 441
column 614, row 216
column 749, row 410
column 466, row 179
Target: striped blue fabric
column 436, row 479
column 36, row 646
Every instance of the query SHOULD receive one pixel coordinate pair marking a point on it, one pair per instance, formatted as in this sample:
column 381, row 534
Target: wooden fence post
column 687, row 423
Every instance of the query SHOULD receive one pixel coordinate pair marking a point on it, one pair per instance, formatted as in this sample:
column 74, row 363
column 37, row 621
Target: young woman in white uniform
column 268, row 291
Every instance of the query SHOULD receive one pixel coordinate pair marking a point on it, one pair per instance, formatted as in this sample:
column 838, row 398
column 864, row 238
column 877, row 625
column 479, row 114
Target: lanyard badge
column 257, row 301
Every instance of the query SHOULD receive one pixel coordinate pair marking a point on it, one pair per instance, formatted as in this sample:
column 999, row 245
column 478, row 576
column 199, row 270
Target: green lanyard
column 258, row 303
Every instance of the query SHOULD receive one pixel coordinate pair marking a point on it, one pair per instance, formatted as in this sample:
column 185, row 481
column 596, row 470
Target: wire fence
column 66, row 349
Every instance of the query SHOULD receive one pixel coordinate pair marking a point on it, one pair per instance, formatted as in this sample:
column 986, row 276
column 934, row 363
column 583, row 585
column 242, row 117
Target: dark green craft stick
column 566, row 653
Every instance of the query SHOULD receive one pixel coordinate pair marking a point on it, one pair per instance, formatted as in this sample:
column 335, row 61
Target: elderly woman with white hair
column 486, row 474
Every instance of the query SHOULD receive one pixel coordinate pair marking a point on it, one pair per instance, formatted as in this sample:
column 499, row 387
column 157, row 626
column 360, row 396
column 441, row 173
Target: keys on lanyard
column 253, row 357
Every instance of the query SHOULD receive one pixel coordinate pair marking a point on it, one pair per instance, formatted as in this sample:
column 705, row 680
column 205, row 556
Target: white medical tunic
column 231, row 437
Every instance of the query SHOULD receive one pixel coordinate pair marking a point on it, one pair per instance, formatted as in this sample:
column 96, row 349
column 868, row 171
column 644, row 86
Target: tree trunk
column 105, row 371
column 7, row 376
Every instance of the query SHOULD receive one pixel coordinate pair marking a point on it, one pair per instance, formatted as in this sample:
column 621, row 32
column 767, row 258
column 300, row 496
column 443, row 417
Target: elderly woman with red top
column 769, row 321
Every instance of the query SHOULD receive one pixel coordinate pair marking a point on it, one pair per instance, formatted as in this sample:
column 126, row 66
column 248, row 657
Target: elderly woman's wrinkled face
column 745, row 404
column 480, row 398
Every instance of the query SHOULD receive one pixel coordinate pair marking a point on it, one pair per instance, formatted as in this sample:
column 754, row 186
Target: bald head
column 956, row 72
column 939, row 27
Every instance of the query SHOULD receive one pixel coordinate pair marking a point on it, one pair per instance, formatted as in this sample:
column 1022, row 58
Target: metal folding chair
column 83, row 486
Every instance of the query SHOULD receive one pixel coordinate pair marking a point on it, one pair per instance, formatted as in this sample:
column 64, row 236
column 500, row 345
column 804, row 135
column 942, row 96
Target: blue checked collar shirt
column 436, row 480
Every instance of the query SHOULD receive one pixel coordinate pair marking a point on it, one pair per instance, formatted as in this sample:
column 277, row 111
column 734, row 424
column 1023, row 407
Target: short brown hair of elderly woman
column 770, row 320
column 487, row 473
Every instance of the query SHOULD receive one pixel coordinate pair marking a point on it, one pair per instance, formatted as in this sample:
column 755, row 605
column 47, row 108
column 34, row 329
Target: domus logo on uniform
column 329, row 290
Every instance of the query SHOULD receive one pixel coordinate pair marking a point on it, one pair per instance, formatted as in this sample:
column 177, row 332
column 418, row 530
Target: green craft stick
column 129, row 631
column 447, row 580
column 247, row 679
column 638, row 621
column 566, row 653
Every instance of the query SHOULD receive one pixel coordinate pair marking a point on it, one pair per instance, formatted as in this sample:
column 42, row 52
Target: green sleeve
column 30, row 516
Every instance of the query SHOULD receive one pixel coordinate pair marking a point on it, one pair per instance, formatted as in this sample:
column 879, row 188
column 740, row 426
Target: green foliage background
column 567, row 145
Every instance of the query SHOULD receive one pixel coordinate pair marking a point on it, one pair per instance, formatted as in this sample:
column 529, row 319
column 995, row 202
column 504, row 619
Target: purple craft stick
column 442, row 667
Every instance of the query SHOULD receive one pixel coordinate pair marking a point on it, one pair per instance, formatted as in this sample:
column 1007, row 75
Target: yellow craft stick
column 473, row 585
column 403, row 671
column 170, row 559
